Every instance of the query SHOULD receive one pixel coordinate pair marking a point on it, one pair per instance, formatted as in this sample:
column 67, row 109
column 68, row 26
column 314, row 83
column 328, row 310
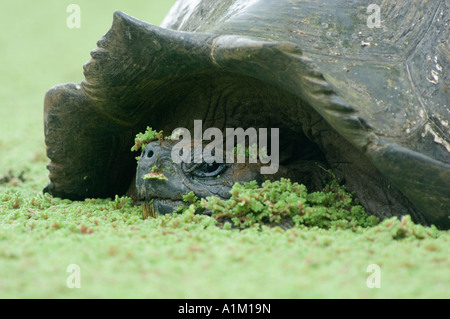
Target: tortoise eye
column 148, row 155
column 209, row 169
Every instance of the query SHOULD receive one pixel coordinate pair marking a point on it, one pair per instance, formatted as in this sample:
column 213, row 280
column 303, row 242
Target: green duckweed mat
column 103, row 248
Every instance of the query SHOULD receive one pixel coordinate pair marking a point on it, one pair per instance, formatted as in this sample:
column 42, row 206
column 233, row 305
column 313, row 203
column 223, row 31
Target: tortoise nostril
column 150, row 154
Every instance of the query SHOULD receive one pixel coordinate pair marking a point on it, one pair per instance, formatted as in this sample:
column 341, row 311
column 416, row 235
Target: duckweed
column 142, row 139
column 286, row 204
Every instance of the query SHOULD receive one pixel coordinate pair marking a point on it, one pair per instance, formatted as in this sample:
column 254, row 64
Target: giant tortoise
column 360, row 87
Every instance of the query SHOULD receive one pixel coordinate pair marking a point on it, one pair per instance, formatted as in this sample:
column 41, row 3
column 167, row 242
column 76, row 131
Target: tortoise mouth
column 166, row 206
column 160, row 206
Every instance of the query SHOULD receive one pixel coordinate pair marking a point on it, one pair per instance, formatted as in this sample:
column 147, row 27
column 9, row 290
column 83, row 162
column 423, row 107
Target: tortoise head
column 163, row 181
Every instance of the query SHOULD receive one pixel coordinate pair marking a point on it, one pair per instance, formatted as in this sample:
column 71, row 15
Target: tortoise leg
column 89, row 151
